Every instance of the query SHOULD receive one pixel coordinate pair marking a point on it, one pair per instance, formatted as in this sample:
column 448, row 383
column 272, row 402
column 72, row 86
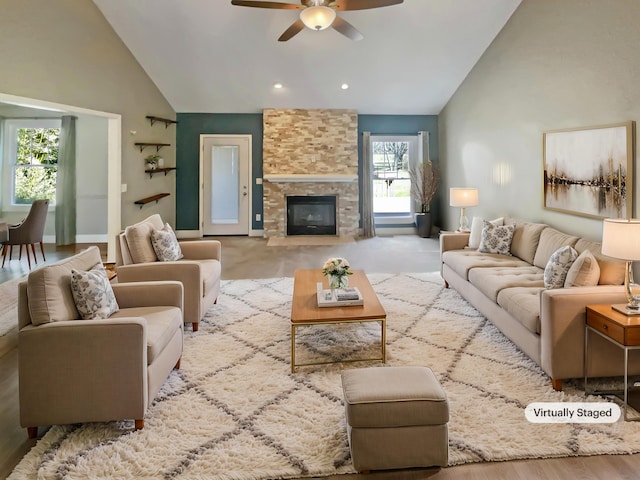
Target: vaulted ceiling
column 210, row 56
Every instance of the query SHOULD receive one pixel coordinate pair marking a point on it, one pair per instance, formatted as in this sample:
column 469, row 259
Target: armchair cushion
column 139, row 239
column 210, row 273
column 92, row 293
column 49, row 289
column 165, row 244
column 161, row 324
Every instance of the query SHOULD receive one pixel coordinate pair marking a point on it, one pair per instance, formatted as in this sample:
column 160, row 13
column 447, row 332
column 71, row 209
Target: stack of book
column 339, row 297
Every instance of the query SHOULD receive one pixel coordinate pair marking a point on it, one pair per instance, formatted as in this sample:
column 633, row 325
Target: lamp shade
column 621, row 238
column 318, row 17
column 463, row 197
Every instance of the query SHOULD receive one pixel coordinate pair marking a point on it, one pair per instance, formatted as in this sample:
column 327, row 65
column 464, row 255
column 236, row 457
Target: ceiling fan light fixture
column 318, row 17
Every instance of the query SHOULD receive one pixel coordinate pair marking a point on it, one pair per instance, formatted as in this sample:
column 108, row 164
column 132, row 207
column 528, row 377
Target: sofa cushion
column 490, row 281
column 461, row 261
column 49, row 288
column 611, row 269
column 584, row 272
column 496, row 238
column 555, row 273
column 525, row 240
column 165, row 244
column 523, row 303
column 550, row 241
column 92, row 293
column 162, row 323
column 477, row 224
column 139, row 239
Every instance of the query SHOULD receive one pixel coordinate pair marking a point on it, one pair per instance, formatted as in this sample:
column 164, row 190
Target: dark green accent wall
column 190, row 127
column 401, row 125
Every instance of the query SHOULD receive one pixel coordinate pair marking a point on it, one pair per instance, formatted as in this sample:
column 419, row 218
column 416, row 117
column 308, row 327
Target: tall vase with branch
column 424, row 186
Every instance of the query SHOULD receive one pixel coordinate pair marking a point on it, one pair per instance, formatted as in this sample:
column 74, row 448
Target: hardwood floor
column 245, row 257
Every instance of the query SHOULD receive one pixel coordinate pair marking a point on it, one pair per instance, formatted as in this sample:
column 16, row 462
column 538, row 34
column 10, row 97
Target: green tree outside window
column 36, row 164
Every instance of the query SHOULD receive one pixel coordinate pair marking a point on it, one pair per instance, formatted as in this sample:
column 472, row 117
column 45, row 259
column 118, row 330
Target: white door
column 225, row 184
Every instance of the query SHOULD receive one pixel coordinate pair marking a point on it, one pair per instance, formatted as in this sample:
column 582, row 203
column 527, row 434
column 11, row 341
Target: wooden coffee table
column 305, row 310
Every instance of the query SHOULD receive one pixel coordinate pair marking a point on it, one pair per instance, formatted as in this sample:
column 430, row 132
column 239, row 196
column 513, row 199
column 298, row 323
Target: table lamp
column 620, row 239
column 463, row 198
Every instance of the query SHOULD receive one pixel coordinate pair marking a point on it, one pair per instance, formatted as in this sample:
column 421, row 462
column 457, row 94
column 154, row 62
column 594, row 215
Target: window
column 31, row 160
column 392, row 158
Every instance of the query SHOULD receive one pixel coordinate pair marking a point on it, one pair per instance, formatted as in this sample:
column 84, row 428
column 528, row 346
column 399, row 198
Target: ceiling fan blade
column 346, row 29
column 295, row 28
column 362, row 4
column 278, row 5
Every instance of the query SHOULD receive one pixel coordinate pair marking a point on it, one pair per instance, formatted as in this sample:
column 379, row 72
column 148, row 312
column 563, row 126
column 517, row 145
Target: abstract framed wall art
column 589, row 171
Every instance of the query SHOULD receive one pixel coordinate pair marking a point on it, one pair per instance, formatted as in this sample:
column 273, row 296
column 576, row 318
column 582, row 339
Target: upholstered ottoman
column 396, row 418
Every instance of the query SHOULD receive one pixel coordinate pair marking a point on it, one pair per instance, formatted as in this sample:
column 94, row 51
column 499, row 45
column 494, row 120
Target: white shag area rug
column 235, row 411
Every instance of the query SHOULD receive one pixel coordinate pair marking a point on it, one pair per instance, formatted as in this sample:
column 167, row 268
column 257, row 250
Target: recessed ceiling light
column 344, row 86
column 277, row 85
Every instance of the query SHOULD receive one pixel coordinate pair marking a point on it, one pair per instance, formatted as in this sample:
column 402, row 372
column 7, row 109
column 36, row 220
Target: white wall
column 556, row 64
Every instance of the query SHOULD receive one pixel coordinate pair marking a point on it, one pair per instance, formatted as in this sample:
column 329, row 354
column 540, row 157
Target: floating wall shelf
column 159, row 170
column 153, row 198
column 166, row 121
column 157, row 145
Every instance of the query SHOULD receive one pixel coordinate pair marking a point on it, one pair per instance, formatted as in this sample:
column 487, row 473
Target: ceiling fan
column 320, row 14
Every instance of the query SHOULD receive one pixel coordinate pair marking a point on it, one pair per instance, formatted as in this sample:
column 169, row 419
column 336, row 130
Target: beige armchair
column 77, row 371
column 199, row 270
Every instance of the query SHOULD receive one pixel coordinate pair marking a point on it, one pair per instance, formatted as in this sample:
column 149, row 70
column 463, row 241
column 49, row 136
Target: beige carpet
column 308, row 240
column 235, row 411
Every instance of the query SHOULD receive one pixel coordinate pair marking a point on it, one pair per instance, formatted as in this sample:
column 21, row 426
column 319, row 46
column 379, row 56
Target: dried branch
column 424, row 184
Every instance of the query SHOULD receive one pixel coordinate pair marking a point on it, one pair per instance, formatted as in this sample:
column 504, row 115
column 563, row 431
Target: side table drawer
column 606, row 326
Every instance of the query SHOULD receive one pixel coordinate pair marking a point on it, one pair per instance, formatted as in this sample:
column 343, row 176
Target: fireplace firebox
column 311, row 214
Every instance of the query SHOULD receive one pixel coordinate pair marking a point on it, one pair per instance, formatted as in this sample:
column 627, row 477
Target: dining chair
column 28, row 232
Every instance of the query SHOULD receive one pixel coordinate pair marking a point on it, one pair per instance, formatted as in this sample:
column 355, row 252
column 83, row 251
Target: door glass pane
column 225, row 184
column 391, row 181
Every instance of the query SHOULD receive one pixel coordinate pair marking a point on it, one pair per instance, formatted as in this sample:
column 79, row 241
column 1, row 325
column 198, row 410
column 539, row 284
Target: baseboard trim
column 85, row 238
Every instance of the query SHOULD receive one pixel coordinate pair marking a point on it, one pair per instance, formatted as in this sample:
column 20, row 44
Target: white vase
column 161, row 162
column 338, row 281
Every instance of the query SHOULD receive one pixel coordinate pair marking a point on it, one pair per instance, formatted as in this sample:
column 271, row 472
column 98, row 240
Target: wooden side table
column 621, row 330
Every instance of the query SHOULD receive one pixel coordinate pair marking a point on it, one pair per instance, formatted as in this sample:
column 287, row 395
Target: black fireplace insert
column 311, row 215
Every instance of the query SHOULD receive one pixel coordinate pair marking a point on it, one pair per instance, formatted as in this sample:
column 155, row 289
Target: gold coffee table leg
column 293, row 348
column 383, row 339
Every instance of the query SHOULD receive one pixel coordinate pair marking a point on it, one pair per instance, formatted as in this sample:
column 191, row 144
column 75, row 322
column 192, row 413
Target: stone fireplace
column 310, row 153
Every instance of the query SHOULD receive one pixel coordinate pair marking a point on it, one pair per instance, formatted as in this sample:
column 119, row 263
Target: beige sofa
column 76, row 371
column 547, row 325
column 199, row 270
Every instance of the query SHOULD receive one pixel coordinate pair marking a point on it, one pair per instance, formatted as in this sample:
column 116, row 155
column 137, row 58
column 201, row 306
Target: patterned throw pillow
column 92, row 293
column 496, row 238
column 555, row 273
column 166, row 244
column 477, row 224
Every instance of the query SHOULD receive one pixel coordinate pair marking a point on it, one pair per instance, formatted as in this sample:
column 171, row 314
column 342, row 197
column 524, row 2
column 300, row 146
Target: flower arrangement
column 337, row 270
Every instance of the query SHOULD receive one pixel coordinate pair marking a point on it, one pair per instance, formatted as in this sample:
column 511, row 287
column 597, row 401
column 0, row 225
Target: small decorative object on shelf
column 153, row 161
column 337, row 270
